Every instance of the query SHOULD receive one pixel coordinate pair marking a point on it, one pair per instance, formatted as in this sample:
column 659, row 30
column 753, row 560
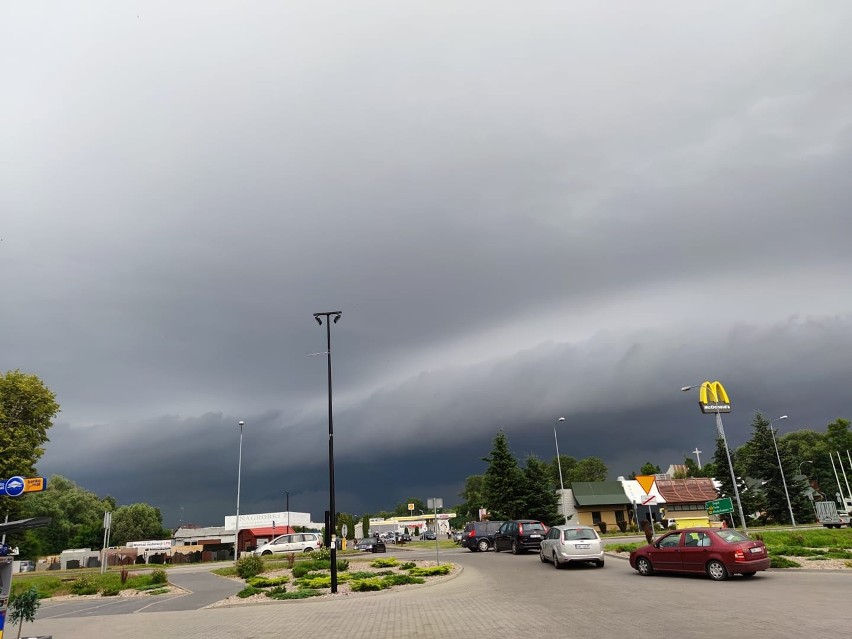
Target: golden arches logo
column 713, row 398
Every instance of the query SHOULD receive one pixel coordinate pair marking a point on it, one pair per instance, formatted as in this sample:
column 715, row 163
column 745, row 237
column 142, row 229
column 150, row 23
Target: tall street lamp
column 239, row 474
column 332, row 513
column 807, row 461
column 781, row 468
column 559, row 464
column 288, row 511
column 721, row 430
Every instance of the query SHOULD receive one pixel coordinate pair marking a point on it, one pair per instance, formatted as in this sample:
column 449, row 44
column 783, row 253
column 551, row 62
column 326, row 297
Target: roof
column 599, row 493
column 635, row 493
column 268, row 530
column 690, row 490
column 24, row 524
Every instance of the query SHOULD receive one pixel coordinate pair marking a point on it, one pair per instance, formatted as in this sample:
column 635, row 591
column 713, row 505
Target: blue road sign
column 13, row 487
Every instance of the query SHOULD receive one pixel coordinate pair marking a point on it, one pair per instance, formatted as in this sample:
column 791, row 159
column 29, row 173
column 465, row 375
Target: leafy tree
column 473, row 498
column 137, row 522
column 77, row 518
column 401, row 509
column 23, row 607
column 502, row 488
column 540, row 501
column 349, row 520
column 365, row 525
column 27, row 409
column 649, row 469
column 586, row 469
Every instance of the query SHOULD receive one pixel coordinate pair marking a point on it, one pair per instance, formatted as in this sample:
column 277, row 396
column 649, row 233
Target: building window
column 596, row 516
column 619, row 515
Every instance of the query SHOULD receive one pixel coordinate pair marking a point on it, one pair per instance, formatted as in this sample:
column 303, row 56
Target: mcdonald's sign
column 713, row 398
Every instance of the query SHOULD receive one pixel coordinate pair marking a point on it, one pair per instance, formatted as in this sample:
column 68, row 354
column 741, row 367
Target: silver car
column 564, row 544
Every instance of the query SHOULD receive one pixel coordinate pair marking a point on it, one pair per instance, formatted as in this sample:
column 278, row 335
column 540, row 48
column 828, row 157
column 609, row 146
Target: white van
column 294, row 542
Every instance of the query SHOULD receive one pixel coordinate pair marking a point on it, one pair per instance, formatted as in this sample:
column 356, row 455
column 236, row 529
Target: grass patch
column 390, row 562
column 230, row 571
column 777, row 561
column 296, row 594
column 840, row 538
column 158, row 591
column 624, row 547
column 267, row 582
column 248, row 592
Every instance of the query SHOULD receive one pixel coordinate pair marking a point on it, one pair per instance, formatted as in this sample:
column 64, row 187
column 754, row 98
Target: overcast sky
column 524, row 211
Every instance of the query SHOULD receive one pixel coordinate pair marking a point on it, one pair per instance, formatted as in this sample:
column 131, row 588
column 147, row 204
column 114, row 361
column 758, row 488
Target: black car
column 371, row 544
column 479, row 535
column 520, row 535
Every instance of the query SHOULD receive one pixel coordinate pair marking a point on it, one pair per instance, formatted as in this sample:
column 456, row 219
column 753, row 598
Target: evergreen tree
column 760, row 461
column 649, row 469
column 504, row 482
column 540, row 500
column 752, row 499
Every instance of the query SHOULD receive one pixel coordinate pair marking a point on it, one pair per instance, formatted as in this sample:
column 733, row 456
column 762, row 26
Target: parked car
column 520, row 535
column 404, row 537
column 458, row 535
column 371, row 544
column 298, row 542
column 430, row 535
column 479, row 535
column 719, row 552
column 564, row 544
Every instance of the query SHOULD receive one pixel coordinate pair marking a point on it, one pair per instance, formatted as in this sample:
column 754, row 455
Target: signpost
column 436, row 503
column 719, row 506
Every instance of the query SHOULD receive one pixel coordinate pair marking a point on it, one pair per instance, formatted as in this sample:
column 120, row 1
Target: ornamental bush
column 159, row 576
column 249, row 566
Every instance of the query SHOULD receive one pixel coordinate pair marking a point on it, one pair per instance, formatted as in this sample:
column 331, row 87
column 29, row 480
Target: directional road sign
column 719, row 506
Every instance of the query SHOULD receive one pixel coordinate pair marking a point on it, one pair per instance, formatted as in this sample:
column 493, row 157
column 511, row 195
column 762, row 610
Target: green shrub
column 266, row 582
column 296, row 594
column 84, row 585
column 777, row 561
column 625, row 547
column 390, row 562
column 315, row 583
column 110, row 591
column 342, row 565
column 401, row 580
column 300, row 571
column 158, row 591
column 797, row 539
column 430, row 571
column 322, row 554
column 248, row 592
column 408, row 565
column 249, row 566
column 365, row 585
column 159, row 576
column 275, row 591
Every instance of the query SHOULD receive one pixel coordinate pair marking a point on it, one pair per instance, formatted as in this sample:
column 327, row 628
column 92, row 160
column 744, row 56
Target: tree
column 649, row 469
column 540, row 500
column 760, row 461
column 27, row 409
column 752, row 498
column 586, row 469
column 365, row 526
column 473, row 498
column 23, row 607
column 137, row 522
column 77, row 518
column 503, row 484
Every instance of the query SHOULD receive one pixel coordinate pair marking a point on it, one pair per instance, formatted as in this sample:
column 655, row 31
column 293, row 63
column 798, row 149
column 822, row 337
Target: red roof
column 691, row 490
column 268, row 530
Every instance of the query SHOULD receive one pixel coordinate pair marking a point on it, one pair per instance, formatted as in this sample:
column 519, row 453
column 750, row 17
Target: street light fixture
column 807, row 461
column 559, row 464
column 781, row 468
column 288, row 511
column 239, row 475
column 332, row 514
column 721, row 431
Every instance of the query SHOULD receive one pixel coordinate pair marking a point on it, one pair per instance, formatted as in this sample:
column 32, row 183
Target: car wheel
column 644, row 567
column 556, row 563
column 496, row 546
column 309, row 549
column 541, row 556
column 266, row 552
column 749, row 574
column 716, row 570
column 483, row 545
column 515, row 550
column 599, row 563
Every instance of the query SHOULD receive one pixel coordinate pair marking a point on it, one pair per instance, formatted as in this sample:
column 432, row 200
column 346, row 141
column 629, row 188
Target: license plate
column 582, row 545
column 756, row 549
column 535, row 536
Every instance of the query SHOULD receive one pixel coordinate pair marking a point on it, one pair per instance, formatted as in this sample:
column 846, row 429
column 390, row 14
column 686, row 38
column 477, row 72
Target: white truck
column 829, row 516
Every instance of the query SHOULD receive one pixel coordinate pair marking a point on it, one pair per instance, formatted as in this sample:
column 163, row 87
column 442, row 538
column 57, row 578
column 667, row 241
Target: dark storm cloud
column 521, row 214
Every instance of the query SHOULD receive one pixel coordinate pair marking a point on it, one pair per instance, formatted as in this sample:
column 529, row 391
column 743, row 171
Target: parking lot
column 498, row 595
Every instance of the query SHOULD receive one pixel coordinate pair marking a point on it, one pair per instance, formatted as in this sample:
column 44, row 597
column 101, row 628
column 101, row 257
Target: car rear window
column 731, row 536
column 533, row 525
column 580, row 533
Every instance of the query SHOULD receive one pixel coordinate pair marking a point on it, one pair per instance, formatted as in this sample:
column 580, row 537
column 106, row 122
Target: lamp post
column 332, row 515
column 239, row 475
column 287, row 492
column 559, row 464
column 721, row 431
column 807, row 461
column 781, row 468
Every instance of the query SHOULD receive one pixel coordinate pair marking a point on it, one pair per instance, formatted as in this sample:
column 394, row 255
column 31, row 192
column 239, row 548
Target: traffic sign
column 344, row 531
column 16, row 486
column 646, row 482
column 719, row 506
column 649, row 500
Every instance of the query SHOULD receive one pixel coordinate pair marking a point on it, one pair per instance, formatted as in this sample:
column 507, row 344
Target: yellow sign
column 713, row 398
column 34, row 484
column 646, row 481
column 410, row 506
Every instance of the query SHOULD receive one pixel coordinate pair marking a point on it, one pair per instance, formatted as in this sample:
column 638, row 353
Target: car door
column 665, row 553
column 695, row 551
column 500, row 542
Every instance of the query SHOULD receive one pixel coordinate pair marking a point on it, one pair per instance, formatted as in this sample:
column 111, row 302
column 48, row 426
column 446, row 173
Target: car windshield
column 579, row 533
column 731, row 536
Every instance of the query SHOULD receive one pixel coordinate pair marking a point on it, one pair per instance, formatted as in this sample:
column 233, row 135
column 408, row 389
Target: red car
column 719, row 552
